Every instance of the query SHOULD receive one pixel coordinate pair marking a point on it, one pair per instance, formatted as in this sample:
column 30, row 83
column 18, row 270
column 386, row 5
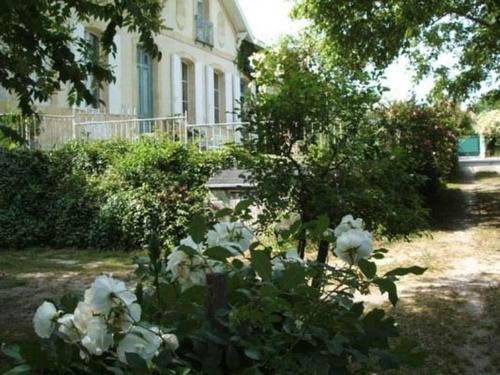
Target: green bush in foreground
column 110, row 194
column 223, row 303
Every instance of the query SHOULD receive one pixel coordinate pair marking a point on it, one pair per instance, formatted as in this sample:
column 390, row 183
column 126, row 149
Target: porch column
column 209, row 71
column 228, row 92
column 199, row 94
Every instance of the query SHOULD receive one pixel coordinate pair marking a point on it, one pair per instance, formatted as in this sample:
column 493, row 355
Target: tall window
column 185, row 87
column 204, row 27
column 217, row 100
column 202, row 9
column 188, row 95
column 92, row 84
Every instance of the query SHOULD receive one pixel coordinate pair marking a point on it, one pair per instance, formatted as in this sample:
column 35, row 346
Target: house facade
column 196, row 76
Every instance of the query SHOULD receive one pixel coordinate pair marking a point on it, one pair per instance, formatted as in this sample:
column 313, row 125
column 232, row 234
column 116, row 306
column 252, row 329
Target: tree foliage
column 313, row 149
column 371, row 34
column 39, row 51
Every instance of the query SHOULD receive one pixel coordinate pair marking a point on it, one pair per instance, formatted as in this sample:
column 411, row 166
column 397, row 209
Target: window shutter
column 209, row 71
column 228, row 92
column 115, row 88
column 198, row 89
column 176, row 69
column 78, row 33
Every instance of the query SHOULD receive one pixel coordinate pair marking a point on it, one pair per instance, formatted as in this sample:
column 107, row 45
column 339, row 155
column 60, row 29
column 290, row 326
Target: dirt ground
column 29, row 277
column 453, row 310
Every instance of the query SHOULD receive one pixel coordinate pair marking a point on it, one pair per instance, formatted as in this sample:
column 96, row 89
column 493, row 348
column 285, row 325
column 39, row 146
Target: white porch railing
column 56, row 130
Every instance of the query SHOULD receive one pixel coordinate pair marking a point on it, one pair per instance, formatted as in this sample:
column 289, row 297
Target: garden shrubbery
column 222, row 302
column 428, row 136
column 102, row 195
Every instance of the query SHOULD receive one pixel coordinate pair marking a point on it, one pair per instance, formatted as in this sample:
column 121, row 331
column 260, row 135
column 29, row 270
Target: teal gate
column 469, row 146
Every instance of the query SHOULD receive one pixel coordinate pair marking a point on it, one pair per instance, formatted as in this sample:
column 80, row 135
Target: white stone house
column 197, row 76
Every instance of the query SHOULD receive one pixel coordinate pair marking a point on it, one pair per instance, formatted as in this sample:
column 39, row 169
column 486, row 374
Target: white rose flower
column 142, row 341
column 98, row 339
column 189, row 242
column 293, row 256
column 348, row 222
column 353, row 245
column 233, row 236
column 44, row 320
column 106, row 292
column 278, row 264
column 179, row 264
column 81, row 316
column 124, row 317
column 68, row 329
column 188, row 270
column 171, row 341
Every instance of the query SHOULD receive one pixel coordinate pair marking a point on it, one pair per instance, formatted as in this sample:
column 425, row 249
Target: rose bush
column 222, row 302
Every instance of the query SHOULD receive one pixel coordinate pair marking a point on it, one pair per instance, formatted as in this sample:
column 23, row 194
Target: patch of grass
column 60, row 261
column 485, row 174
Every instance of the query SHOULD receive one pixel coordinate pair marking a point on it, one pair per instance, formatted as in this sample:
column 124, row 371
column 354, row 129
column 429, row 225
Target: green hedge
column 107, row 195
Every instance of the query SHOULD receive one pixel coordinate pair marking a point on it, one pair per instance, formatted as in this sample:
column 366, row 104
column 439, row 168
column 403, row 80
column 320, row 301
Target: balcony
column 204, row 31
column 56, row 130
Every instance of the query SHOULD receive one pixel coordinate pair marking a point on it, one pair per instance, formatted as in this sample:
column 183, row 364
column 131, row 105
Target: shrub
column 223, row 303
column 429, row 137
column 102, row 195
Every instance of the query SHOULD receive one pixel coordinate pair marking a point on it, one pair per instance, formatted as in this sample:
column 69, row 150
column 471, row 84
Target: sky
column 269, row 19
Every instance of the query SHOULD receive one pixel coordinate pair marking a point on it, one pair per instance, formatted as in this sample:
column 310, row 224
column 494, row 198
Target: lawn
column 28, row 277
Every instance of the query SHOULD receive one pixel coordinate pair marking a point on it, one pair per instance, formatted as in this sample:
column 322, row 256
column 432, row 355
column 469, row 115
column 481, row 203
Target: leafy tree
column 40, row 52
column 313, row 150
column 372, row 34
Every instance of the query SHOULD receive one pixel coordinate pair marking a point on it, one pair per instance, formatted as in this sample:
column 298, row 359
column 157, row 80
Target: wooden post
column 217, row 297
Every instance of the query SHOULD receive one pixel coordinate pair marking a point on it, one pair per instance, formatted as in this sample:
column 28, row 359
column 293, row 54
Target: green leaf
column 198, row 228
column 12, row 351
column 232, row 358
column 137, row 363
column 218, row 253
column 164, row 359
column 292, row 276
column 34, row 355
column 261, row 263
column 238, row 264
column 415, row 270
column 253, row 353
column 368, row 268
column 168, row 294
column 336, row 345
column 23, row 369
column 223, row 213
column 388, row 286
column 69, row 302
column 243, row 206
column 114, row 370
